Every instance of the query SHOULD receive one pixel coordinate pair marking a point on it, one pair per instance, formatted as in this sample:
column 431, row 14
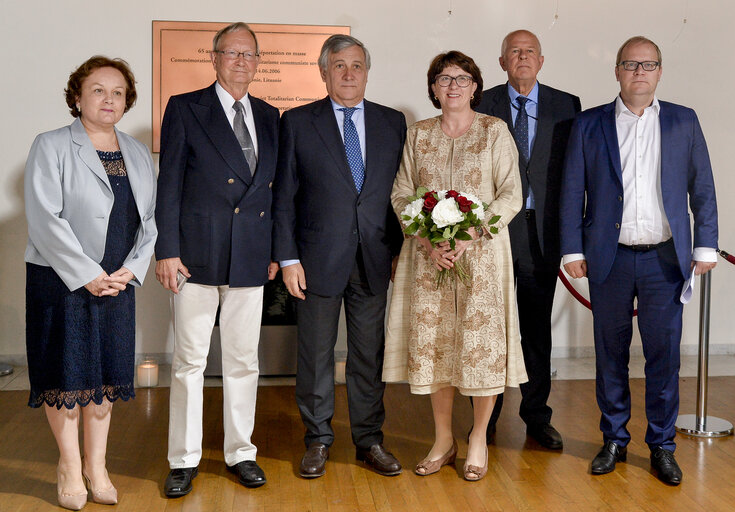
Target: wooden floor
column 522, row 475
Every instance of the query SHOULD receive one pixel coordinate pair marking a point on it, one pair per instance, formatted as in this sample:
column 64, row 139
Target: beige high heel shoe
column 102, row 496
column 475, row 473
column 429, row 467
column 69, row 501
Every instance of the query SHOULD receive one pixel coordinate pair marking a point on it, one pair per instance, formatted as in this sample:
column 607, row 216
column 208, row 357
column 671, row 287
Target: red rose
column 465, row 205
column 452, row 193
column 429, row 203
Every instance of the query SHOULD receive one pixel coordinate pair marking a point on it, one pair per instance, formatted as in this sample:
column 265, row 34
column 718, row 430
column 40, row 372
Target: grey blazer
column 68, row 201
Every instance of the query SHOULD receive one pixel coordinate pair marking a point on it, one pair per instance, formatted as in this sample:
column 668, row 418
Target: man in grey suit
column 335, row 236
column 540, row 119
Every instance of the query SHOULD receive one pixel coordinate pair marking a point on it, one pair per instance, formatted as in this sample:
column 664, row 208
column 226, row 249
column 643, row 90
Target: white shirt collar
column 620, row 107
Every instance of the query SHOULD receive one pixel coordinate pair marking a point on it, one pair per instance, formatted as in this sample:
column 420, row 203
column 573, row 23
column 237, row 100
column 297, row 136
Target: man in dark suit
column 539, row 118
column 218, row 159
column 630, row 168
column 335, row 236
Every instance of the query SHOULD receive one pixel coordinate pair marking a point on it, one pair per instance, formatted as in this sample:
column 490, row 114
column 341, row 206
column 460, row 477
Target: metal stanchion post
column 699, row 424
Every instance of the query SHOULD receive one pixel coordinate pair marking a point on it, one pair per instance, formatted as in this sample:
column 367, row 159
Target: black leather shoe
column 313, row 463
column 249, row 473
column 664, row 463
column 605, row 461
column 545, row 435
column 178, row 481
column 381, row 460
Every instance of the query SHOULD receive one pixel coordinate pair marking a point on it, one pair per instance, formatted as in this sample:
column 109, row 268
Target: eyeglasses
column 233, row 55
column 632, row 65
column 446, row 80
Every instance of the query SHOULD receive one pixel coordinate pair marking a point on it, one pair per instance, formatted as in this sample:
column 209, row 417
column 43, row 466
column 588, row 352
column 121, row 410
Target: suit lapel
column 544, row 123
column 325, row 125
column 87, row 153
column 611, row 138
column 666, row 122
column 210, row 115
column 265, row 140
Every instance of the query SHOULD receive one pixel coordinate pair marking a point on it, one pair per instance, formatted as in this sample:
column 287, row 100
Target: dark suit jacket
column 542, row 172
column 210, row 211
column 319, row 216
column 593, row 174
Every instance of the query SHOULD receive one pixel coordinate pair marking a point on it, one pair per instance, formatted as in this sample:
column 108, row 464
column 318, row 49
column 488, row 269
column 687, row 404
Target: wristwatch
column 479, row 231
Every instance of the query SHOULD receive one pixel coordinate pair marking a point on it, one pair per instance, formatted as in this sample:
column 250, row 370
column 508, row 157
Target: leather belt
column 645, row 247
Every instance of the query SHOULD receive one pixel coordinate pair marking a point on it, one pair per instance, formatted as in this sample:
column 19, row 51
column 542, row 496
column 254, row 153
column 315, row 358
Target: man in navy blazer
column 632, row 168
column 534, row 232
column 218, row 161
column 335, row 237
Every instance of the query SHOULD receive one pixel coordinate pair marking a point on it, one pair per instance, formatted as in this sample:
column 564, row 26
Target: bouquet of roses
column 445, row 216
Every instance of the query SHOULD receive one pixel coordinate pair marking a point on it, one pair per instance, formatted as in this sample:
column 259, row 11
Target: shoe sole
column 312, row 475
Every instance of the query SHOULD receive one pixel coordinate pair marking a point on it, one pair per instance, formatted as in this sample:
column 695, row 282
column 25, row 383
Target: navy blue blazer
column 542, row 171
column 210, row 211
column 592, row 174
column 319, row 216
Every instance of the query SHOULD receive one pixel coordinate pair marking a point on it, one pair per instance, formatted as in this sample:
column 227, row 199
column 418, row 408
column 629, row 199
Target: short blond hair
column 637, row 40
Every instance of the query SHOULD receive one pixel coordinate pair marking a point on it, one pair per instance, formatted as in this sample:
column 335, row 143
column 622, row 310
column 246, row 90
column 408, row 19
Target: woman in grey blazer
column 90, row 198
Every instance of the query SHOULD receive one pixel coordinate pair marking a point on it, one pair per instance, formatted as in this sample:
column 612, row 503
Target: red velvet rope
column 580, row 298
column 729, row 257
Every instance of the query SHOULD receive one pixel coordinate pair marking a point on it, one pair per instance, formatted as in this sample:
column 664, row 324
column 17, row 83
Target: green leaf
column 493, row 230
column 463, row 235
column 494, row 219
column 412, row 228
column 447, row 233
column 421, row 191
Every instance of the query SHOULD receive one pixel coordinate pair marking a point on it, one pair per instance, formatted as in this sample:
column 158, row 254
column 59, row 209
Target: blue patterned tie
column 352, row 148
column 521, row 127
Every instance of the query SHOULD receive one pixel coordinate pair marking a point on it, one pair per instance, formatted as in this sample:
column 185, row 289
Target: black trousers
column 318, row 319
column 535, row 284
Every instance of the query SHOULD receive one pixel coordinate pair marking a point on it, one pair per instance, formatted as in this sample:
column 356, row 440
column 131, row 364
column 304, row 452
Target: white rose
column 446, row 213
column 412, row 209
column 479, row 211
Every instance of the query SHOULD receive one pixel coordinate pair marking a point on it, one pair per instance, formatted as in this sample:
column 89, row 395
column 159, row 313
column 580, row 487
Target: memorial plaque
column 288, row 75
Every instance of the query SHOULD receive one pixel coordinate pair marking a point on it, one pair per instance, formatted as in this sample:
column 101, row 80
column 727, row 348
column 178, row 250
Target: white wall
column 44, row 40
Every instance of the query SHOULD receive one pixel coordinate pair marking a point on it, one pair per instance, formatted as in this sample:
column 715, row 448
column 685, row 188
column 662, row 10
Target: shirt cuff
column 568, row 258
column 705, row 254
column 288, row 263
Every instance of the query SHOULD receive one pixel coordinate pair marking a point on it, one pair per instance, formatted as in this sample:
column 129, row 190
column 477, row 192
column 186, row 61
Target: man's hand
column 272, row 270
column 576, row 269
column 702, row 267
column 393, row 267
column 295, row 280
column 166, row 270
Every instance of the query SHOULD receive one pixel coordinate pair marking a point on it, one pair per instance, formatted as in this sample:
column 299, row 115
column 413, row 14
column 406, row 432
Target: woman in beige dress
column 461, row 335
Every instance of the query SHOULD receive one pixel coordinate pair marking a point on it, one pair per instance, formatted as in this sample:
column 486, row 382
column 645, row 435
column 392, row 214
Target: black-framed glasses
column 632, row 65
column 232, row 54
column 446, row 80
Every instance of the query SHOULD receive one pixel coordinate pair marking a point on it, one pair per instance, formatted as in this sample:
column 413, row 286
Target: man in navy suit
column 218, row 160
column 534, row 233
column 631, row 168
column 335, row 236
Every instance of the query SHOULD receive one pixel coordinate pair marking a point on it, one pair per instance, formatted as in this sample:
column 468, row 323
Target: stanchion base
column 713, row 427
column 5, row 369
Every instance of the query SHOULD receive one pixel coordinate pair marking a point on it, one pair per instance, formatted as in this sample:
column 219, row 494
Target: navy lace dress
column 81, row 348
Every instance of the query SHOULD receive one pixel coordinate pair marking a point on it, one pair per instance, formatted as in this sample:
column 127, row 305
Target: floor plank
column 522, row 476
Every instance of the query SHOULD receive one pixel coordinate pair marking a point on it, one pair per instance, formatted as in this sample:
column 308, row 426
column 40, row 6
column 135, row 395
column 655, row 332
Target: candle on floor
column 148, row 374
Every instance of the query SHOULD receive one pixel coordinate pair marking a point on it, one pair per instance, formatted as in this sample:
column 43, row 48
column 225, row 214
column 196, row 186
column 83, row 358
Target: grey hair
column 234, row 27
column 504, row 45
column 337, row 43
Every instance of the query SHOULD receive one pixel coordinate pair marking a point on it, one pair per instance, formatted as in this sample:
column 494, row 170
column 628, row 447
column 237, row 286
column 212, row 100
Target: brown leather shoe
column 381, row 460
column 314, row 461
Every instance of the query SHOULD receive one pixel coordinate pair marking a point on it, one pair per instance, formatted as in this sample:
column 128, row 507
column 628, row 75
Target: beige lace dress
column 459, row 335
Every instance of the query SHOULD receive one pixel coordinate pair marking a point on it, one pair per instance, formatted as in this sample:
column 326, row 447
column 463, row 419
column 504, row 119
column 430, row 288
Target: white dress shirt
column 228, row 101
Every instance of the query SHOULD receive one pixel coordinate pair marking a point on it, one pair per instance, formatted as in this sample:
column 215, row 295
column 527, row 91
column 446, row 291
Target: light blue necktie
column 352, row 148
